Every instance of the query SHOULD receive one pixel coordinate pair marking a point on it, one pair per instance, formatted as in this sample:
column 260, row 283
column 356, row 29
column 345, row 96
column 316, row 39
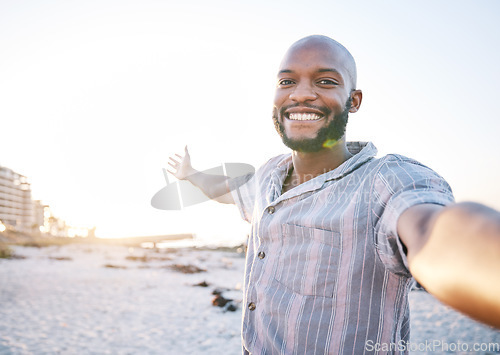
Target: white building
column 19, row 212
column 16, row 207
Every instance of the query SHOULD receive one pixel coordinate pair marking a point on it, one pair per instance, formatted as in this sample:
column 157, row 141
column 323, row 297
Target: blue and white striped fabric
column 325, row 270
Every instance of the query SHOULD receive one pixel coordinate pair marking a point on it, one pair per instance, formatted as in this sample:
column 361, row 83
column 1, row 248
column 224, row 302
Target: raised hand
column 181, row 165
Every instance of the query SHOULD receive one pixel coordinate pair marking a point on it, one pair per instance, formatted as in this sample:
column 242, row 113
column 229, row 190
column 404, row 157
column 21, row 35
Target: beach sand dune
column 91, row 299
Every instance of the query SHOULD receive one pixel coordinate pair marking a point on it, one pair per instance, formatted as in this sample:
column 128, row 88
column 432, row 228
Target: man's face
column 312, row 98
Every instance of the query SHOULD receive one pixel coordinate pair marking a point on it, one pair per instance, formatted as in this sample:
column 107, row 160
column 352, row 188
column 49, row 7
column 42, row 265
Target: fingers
column 177, row 155
column 174, row 160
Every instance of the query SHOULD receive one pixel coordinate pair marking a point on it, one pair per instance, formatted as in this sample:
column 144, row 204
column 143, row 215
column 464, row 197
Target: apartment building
column 16, row 206
column 19, row 212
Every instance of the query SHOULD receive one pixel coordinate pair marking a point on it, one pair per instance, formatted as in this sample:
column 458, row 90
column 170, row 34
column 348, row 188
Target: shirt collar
column 362, row 153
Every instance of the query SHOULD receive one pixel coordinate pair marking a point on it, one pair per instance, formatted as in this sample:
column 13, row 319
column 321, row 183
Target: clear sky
column 95, row 95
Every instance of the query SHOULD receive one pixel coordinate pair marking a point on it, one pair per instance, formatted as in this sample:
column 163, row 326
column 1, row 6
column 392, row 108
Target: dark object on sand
column 61, row 258
column 220, row 301
column 226, row 303
column 111, row 266
column 146, row 258
column 202, row 284
column 418, row 287
column 186, row 269
column 143, row 258
column 218, row 291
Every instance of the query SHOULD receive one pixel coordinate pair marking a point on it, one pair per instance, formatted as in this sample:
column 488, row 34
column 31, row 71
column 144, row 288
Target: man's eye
column 285, row 82
column 327, row 82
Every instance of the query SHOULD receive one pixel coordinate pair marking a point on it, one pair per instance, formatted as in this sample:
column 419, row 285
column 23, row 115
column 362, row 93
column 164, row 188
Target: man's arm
column 454, row 252
column 213, row 186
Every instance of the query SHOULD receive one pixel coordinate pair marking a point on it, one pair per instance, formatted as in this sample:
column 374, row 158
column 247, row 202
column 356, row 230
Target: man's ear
column 356, row 97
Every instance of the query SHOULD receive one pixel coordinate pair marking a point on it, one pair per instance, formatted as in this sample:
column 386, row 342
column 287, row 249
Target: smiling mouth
column 303, row 116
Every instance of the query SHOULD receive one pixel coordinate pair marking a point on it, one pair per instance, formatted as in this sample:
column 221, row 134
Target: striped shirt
column 325, row 270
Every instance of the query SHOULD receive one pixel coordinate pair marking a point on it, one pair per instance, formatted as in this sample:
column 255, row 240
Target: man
column 338, row 235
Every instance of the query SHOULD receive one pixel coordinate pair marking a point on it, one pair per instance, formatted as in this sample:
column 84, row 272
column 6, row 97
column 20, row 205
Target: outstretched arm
column 214, row 186
column 454, row 252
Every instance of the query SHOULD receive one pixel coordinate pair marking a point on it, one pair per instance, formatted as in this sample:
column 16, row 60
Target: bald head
column 331, row 47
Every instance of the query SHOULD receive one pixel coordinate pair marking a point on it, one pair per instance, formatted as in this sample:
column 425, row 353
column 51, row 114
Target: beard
column 327, row 136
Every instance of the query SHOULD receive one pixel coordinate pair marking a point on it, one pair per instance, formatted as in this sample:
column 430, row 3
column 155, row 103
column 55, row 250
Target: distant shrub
column 47, row 242
column 5, row 251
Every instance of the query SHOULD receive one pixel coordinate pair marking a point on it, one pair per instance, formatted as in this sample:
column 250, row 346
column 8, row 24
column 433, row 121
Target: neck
column 309, row 165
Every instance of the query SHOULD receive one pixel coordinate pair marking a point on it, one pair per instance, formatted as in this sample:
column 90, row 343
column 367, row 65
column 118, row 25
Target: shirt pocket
column 309, row 260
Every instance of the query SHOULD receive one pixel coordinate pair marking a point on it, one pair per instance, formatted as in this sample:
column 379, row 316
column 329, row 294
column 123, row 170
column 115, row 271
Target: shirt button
column 270, row 210
column 261, row 255
column 251, row 306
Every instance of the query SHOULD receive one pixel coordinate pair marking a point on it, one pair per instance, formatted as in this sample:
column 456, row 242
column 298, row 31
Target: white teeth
column 303, row 116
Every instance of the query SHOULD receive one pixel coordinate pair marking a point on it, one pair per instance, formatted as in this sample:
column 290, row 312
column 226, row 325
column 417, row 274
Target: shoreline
column 167, row 241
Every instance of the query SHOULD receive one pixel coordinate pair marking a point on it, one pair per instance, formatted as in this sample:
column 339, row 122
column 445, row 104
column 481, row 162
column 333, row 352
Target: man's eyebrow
column 321, row 70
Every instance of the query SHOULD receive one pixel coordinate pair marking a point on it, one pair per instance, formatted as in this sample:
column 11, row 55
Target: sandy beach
column 98, row 299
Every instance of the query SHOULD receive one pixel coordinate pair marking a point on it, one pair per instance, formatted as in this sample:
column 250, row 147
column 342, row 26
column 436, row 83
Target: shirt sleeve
column 243, row 190
column 400, row 184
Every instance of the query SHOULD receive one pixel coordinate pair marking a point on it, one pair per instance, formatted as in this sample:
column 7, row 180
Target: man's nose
column 303, row 92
